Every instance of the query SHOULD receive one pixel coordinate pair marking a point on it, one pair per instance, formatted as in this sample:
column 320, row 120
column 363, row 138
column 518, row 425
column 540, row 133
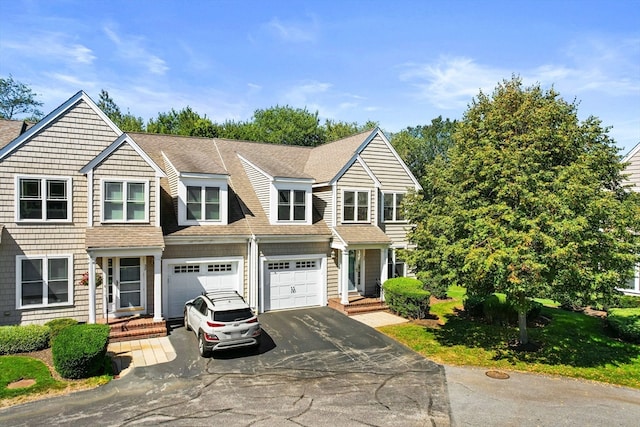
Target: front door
column 355, row 271
column 125, row 279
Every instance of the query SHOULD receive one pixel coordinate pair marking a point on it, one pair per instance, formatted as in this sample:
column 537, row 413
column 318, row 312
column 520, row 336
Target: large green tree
column 183, row 122
column 529, row 202
column 420, row 145
column 287, row 125
column 18, row 99
column 126, row 122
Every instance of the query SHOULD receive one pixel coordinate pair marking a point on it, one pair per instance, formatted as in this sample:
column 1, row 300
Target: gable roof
column 52, row 116
column 123, row 138
column 186, row 154
column 631, row 153
column 327, row 160
column 276, row 160
column 11, row 129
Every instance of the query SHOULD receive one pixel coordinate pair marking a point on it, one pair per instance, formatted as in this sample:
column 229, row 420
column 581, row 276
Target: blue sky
column 400, row 63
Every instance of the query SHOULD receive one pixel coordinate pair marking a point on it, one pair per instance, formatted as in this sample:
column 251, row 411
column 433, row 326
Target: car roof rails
column 224, row 296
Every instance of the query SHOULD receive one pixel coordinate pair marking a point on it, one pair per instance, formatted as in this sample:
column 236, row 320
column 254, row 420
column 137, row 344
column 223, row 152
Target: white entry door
column 125, row 284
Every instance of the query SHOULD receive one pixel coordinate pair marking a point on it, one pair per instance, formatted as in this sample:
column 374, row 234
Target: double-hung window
column 292, row 205
column 44, row 280
column 392, row 206
column 43, row 199
column 355, row 206
column 125, row 201
column 395, row 265
column 203, row 203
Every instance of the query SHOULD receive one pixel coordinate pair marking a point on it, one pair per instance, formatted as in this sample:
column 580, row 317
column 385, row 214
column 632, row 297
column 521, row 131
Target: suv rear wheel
column 202, row 349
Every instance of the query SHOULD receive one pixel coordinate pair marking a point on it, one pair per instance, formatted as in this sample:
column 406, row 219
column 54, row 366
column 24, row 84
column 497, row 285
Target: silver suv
column 221, row 320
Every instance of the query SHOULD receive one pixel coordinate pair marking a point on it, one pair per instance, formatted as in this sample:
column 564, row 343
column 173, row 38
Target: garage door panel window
column 219, row 267
column 186, row 269
column 44, row 281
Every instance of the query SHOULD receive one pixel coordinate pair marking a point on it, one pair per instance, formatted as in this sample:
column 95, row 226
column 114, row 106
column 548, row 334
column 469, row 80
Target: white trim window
column 292, row 205
column 125, row 201
column 355, row 206
column 44, row 281
column 203, row 203
column 392, row 207
column 43, row 198
column 395, row 265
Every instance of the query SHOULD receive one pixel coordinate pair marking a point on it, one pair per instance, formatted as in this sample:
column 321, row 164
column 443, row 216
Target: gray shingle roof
column 360, row 234
column 11, row 129
column 124, row 236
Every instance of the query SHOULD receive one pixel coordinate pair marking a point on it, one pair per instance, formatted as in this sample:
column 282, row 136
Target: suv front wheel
column 202, row 349
column 186, row 321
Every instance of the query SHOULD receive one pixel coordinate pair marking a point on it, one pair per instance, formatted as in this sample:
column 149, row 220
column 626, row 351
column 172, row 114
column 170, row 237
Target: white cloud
column 295, row 32
column 306, row 93
column 131, row 48
column 451, row 82
column 50, row 45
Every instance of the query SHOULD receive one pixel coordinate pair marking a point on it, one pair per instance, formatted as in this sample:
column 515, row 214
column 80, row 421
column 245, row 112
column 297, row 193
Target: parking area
column 314, row 367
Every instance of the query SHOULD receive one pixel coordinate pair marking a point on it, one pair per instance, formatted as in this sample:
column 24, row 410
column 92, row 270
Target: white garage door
column 292, row 284
column 187, row 281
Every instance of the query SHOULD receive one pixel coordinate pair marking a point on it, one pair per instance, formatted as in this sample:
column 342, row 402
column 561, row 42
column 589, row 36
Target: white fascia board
column 204, row 239
column 631, row 153
column 121, row 252
column 194, row 175
column 397, row 156
column 253, row 165
column 55, row 114
column 369, row 172
column 289, row 180
column 293, row 238
column 114, row 146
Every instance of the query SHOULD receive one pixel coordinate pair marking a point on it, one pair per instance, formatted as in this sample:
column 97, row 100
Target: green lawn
column 15, row 368
column 572, row 344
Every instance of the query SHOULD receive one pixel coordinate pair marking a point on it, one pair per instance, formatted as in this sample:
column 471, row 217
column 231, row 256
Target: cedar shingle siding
column 77, row 139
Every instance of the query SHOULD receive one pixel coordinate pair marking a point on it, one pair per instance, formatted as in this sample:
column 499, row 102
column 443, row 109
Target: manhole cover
column 497, row 375
column 24, row 383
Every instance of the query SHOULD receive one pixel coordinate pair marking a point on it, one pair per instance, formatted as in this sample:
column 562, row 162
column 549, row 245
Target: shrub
column 407, row 297
column 473, row 304
column 625, row 322
column 627, row 301
column 497, row 309
column 79, row 350
column 56, row 325
column 437, row 288
column 23, row 339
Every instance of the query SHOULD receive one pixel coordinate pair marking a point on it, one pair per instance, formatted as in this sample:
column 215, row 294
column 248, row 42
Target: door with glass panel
column 125, row 283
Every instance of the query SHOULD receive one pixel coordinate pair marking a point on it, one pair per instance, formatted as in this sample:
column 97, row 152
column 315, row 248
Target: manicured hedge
column 56, row 325
column 79, row 350
column 23, row 339
column 625, row 322
column 497, row 309
column 407, row 297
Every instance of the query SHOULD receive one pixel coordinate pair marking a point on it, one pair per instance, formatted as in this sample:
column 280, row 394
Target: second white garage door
column 292, row 284
column 188, row 280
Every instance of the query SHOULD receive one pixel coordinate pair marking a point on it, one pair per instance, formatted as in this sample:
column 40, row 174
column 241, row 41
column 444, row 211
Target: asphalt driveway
column 315, row 367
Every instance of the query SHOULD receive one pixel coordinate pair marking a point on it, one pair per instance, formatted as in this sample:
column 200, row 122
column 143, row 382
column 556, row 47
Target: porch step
column 358, row 305
column 135, row 328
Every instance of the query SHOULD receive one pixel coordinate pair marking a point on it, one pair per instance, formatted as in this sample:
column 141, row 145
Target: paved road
column 537, row 400
column 316, row 367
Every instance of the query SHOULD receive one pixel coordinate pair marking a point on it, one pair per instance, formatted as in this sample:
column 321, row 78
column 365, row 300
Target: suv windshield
column 232, row 315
